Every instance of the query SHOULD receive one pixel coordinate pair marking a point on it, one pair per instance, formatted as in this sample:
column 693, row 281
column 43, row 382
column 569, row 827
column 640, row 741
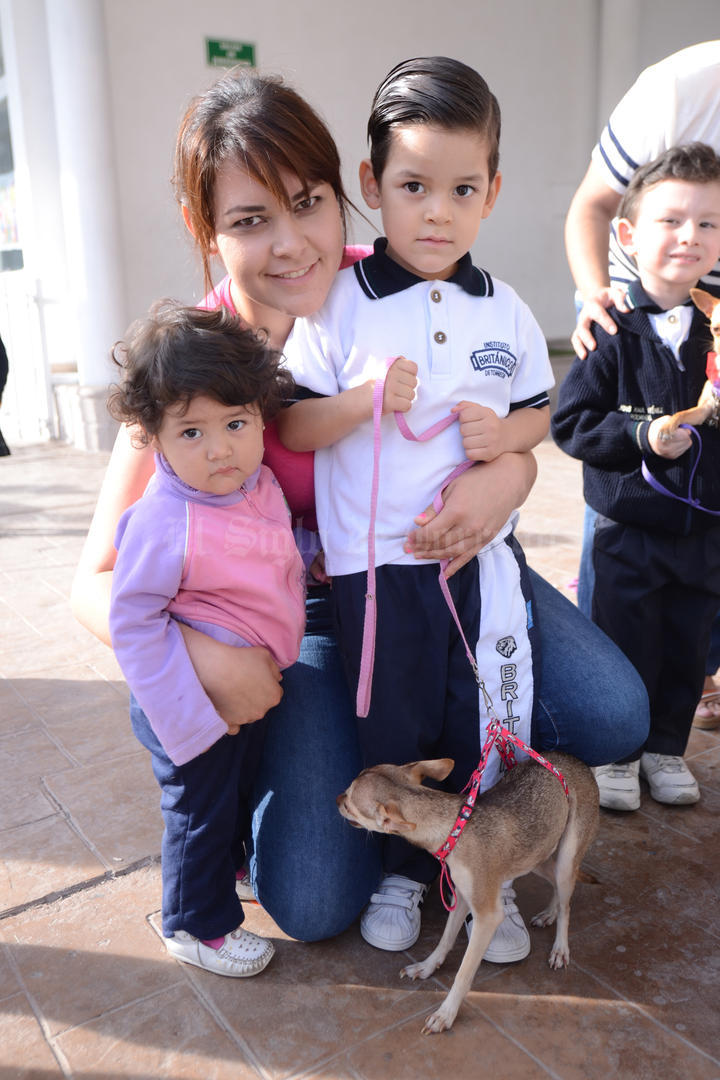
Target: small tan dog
column 524, row 823
column 709, row 401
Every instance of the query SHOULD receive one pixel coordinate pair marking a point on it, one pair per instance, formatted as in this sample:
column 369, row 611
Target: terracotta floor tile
column 9, row 985
column 667, row 966
column 472, row 1049
column 23, row 800
column 334, row 994
column 92, row 952
column 169, row 1034
column 121, row 829
column 580, row 1029
column 24, row 1052
column 30, row 753
column 15, row 713
column 41, row 858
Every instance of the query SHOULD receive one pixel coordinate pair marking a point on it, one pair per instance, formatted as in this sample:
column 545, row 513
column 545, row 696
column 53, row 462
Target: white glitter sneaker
column 670, row 779
column 242, row 954
column 619, row 785
column 391, row 920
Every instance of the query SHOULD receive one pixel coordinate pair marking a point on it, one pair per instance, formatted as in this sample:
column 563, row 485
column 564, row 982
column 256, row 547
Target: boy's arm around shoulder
column 148, row 643
column 588, row 423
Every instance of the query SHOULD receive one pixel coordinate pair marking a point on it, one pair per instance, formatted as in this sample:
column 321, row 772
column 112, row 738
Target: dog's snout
column 341, row 798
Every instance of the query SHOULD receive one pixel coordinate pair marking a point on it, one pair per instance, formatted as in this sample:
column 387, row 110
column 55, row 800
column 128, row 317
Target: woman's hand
column 242, row 683
column 594, row 310
column 476, row 506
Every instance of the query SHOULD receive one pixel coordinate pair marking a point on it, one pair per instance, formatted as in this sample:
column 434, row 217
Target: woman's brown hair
column 260, row 123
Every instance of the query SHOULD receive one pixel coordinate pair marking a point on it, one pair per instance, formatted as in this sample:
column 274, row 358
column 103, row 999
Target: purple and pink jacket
column 225, row 564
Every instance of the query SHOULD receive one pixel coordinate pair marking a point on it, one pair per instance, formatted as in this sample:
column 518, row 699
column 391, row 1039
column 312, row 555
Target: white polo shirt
column 472, row 338
column 673, row 102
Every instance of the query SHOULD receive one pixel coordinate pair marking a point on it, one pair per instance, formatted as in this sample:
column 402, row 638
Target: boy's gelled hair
column 258, row 122
column 433, row 90
column 178, row 353
column 696, row 163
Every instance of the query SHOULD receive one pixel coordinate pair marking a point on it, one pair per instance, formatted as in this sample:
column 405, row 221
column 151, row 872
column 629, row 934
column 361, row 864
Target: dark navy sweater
column 606, row 405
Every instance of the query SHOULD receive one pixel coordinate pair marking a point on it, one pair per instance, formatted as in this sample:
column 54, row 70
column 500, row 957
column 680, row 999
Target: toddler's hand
column 668, row 444
column 480, row 430
column 400, row 383
column 317, row 568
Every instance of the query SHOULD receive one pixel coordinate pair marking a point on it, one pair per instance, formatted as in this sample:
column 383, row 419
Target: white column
column 88, row 190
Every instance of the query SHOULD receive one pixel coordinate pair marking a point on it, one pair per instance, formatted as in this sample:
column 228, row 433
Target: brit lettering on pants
column 509, row 695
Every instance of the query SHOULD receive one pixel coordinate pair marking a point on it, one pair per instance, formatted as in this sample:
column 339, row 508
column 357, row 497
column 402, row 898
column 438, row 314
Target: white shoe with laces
column 391, row 920
column 670, row 779
column 511, row 940
column 241, row 954
column 619, row 785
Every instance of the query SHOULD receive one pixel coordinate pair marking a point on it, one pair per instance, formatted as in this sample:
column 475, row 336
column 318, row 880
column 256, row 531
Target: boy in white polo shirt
column 466, row 345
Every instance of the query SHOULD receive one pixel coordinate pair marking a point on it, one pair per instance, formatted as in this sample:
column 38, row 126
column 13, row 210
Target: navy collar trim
column 640, row 300
column 379, row 276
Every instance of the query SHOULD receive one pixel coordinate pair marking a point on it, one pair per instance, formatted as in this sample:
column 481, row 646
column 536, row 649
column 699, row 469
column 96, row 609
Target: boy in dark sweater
column 657, row 558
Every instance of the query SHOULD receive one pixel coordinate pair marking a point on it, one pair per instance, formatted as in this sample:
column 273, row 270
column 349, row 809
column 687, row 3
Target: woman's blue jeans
column 313, row 873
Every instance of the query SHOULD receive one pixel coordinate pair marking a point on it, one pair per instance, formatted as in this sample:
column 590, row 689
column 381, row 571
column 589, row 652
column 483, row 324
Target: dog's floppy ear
column 389, row 818
column 438, row 769
column 704, row 301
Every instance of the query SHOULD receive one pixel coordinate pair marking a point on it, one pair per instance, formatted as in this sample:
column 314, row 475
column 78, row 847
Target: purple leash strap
column 690, row 500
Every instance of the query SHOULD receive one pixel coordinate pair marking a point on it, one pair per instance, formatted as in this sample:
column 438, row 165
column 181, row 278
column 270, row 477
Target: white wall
column 336, row 53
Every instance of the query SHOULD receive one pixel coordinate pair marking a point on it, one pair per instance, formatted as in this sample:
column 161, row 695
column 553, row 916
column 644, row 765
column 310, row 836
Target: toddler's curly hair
column 177, row 353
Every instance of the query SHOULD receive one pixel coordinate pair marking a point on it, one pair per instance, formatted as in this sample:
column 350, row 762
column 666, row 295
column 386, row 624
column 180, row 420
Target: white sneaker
column 511, row 940
column 392, row 918
column 669, row 778
column 243, row 885
column 619, row 785
column 241, row 955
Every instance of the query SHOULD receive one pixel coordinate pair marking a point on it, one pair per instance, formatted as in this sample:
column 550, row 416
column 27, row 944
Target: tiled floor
column 87, row 991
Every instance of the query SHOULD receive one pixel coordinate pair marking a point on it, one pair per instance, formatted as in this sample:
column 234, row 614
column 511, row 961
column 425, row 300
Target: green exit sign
column 224, row 53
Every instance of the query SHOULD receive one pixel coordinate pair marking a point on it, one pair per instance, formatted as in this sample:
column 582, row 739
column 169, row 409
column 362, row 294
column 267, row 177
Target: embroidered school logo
column 495, row 358
column 506, row 646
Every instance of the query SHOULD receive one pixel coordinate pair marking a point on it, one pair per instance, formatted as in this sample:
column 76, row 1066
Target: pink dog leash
column 367, row 656
column 496, row 732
